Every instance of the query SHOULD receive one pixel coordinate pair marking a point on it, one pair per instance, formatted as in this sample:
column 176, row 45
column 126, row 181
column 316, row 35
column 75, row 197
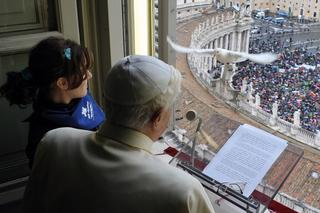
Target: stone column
column 229, row 41
column 223, row 18
column 296, row 118
column 214, row 61
column 257, row 103
column 210, row 58
column 251, row 98
column 250, row 92
column 197, row 64
column 207, row 63
column 202, row 63
column 207, row 24
column 239, row 41
column 317, row 139
column 243, row 39
column 233, row 41
column 247, row 41
column 210, row 63
column 213, row 20
column 244, row 86
column 275, row 109
column 191, row 41
column 296, row 122
column 274, row 116
column 223, row 38
column 226, row 41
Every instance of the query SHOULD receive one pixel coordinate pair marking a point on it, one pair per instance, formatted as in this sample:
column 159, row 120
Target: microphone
column 192, row 115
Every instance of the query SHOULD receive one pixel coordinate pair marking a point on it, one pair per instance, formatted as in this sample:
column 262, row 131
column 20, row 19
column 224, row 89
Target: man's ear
column 156, row 117
column 62, row 83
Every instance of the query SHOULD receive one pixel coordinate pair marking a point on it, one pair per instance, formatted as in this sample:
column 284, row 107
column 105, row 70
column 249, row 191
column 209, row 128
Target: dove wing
column 227, row 55
column 262, row 58
column 182, row 49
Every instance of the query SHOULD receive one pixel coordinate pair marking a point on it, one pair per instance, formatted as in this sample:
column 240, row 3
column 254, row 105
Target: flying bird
column 227, row 56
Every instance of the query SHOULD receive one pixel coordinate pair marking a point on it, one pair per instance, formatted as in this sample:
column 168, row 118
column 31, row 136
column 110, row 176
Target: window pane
column 282, row 96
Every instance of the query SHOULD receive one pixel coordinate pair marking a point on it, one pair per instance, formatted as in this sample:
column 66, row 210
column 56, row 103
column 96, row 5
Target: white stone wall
column 188, row 9
column 181, row 3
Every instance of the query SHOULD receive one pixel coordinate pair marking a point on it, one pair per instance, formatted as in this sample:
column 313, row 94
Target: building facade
column 305, row 9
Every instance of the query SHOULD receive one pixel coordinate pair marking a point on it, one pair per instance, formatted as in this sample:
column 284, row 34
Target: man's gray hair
column 137, row 116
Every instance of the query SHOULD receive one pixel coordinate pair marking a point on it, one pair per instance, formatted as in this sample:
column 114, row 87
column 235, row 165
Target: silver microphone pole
column 195, row 141
column 191, row 115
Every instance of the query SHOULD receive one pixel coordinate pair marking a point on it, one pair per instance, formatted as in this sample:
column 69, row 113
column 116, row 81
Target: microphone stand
column 194, row 141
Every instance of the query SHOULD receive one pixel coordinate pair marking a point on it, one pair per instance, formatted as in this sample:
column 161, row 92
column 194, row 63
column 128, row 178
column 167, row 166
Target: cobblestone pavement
column 219, row 119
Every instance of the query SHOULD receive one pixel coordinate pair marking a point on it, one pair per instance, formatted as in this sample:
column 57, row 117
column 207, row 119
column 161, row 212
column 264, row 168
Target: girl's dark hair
column 48, row 61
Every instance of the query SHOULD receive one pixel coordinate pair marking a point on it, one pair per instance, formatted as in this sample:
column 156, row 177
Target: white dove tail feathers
column 263, row 58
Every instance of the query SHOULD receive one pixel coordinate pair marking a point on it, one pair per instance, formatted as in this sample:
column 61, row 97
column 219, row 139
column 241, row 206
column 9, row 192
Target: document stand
column 262, row 197
column 223, row 191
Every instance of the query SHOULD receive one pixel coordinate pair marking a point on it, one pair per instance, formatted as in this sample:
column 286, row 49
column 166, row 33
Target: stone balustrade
column 280, row 125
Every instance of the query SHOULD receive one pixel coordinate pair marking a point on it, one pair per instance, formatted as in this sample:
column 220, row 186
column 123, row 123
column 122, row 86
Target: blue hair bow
column 67, row 53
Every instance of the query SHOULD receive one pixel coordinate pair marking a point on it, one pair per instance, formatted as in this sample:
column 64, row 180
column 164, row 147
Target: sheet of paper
column 245, row 158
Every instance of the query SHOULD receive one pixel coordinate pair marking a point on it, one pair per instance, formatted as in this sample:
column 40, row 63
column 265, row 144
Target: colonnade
column 235, row 41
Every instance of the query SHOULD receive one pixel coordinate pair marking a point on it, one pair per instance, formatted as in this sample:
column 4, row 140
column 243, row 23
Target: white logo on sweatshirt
column 87, row 111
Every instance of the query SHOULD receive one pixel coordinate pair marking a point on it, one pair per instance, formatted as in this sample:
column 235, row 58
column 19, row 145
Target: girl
column 56, row 83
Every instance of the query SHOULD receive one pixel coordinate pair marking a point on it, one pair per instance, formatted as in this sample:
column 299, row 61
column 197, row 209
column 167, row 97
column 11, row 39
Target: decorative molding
column 23, row 43
column 24, row 15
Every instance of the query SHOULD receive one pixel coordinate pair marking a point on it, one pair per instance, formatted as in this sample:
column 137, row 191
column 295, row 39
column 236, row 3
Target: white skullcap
column 137, row 79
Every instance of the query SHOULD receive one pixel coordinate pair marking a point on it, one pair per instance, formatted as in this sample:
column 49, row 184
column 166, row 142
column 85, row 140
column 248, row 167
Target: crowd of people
column 293, row 81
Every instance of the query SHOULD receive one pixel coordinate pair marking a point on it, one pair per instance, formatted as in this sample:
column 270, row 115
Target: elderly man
column 113, row 170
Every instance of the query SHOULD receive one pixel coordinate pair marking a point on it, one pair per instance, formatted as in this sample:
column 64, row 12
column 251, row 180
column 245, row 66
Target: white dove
column 227, row 56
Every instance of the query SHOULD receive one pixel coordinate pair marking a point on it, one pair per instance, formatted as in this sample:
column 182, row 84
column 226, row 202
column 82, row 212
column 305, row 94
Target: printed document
column 245, row 158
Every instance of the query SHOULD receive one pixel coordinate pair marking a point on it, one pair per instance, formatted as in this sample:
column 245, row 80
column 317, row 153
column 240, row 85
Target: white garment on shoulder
column 112, row 170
